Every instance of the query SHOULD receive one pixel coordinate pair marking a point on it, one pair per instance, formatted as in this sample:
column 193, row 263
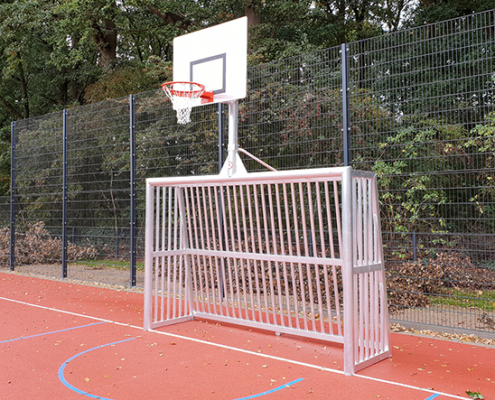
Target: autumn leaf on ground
column 474, row 395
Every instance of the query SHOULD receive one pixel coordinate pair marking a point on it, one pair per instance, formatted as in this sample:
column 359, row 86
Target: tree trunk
column 253, row 17
column 24, row 89
column 106, row 40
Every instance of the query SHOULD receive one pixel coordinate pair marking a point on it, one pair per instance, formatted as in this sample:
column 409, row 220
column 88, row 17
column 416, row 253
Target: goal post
column 295, row 252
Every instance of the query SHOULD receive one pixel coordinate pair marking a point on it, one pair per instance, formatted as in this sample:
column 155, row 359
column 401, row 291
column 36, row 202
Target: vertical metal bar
column 277, row 303
column 157, row 248
column 194, row 259
column 239, row 246
column 253, row 249
column 164, row 259
column 280, row 216
column 185, row 292
column 375, row 311
column 324, row 267
column 227, row 270
column 220, row 196
column 274, row 265
column 220, row 261
column 170, row 259
column 200, row 259
column 202, row 246
column 12, row 196
column 234, row 281
column 347, row 273
column 133, row 189
column 212, row 198
column 415, row 254
column 249, row 274
column 371, row 256
column 220, row 136
column 269, row 290
column 117, row 243
column 358, row 235
column 364, row 192
column 289, row 244
column 306, row 253
column 64, row 197
column 332, row 250
column 259, row 231
column 346, row 127
column 366, row 315
column 176, row 258
column 148, row 257
column 211, row 260
column 298, row 251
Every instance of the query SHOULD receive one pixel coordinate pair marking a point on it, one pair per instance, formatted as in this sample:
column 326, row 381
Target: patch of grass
column 489, row 265
column 483, row 299
column 115, row 264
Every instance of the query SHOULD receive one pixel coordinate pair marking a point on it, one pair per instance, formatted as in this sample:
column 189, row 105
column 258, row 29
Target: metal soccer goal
column 296, row 252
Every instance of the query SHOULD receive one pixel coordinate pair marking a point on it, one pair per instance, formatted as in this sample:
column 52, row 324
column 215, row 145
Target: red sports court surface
column 61, row 340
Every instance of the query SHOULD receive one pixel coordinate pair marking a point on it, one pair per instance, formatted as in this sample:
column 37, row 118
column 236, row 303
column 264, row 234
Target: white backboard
column 215, row 57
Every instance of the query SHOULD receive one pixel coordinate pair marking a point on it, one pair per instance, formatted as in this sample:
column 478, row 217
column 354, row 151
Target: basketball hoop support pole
column 233, row 145
column 233, row 165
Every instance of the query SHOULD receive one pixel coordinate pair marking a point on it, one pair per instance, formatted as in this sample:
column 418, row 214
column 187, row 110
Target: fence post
column 12, row 196
column 133, row 189
column 346, row 126
column 64, row 198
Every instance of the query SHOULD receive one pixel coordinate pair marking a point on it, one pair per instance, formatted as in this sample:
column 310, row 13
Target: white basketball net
column 183, row 96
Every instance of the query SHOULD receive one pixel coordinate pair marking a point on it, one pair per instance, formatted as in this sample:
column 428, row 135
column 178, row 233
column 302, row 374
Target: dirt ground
column 446, row 319
column 118, row 277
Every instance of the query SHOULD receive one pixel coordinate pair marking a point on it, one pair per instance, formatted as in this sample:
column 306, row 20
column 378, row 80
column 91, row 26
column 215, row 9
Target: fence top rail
column 304, row 175
column 363, row 174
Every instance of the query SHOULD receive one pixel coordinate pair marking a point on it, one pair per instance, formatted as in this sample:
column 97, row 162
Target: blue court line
column 432, row 396
column 62, row 367
column 271, row 391
column 49, row 333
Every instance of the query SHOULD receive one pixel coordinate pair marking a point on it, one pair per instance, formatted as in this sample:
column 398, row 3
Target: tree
column 431, row 11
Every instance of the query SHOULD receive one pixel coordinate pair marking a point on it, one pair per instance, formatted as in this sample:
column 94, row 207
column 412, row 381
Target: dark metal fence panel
column 4, row 232
column 164, row 148
column 292, row 115
column 423, row 118
column 98, row 179
column 38, row 194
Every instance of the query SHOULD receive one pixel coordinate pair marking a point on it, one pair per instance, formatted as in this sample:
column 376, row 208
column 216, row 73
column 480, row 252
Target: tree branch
column 171, row 18
column 11, row 108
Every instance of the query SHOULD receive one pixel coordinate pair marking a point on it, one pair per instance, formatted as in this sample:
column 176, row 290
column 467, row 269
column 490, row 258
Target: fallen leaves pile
column 410, row 283
column 460, row 337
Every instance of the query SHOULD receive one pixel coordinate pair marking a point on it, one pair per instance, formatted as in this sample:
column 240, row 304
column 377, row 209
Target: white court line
column 222, row 346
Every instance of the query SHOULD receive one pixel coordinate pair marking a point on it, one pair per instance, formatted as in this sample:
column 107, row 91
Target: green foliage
column 128, row 79
column 441, row 10
column 415, row 196
column 482, row 146
column 474, row 395
column 4, row 161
